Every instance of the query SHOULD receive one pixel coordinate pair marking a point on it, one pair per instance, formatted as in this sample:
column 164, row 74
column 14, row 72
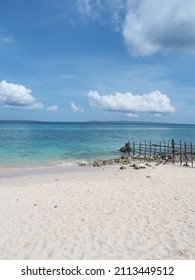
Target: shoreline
column 76, row 165
column 6, row 172
column 99, row 213
column 54, row 163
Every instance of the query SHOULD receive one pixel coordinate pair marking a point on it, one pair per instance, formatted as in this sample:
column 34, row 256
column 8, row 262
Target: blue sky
column 80, row 60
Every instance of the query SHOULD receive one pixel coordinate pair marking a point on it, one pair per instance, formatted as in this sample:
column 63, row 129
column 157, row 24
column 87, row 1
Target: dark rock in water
column 125, row 149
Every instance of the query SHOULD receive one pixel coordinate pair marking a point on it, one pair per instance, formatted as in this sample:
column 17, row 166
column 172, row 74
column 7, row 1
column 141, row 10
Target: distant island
column 125, row 122
column 91, row 122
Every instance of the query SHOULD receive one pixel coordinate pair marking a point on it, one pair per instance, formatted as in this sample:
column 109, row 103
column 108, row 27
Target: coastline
column 98, row 213
column 17, row 171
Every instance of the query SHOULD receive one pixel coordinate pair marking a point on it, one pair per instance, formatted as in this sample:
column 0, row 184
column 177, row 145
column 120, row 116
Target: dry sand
column 98, row 213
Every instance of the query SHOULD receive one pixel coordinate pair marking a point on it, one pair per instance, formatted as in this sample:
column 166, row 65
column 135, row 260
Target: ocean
column 49, row 144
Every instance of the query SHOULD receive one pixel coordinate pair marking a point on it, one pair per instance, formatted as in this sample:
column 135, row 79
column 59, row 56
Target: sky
column 84, row 60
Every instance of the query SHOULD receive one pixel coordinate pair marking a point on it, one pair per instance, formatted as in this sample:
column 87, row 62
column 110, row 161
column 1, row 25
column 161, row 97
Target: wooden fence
column 163, row 151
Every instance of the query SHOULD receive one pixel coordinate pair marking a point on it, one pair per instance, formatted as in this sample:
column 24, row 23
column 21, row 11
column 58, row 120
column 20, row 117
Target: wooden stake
column 185, row 152
column 173, row 150
column 160, row 150
column 191, row 148
column 133, row 148
column 140, row 148
column 150, row 148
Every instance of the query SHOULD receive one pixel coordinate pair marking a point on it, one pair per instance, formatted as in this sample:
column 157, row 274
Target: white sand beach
column 98, row 213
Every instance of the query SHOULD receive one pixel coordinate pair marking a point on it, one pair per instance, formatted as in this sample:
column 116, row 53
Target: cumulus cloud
column 54, row 108
column 154, row 102
column 17, row 96
column 151, row 26
column 148, row 26
column 76, row 109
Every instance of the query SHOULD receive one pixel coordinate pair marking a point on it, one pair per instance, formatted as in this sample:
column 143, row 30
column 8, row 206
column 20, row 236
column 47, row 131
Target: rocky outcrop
column 125, row 149
column 121, row 161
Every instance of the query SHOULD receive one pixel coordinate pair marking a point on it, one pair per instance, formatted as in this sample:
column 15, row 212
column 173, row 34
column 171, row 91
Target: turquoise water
column 33, row 144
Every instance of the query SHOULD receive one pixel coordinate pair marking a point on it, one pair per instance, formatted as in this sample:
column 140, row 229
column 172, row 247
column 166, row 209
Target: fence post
column 145, row 150
column 168, row 147
column 140, row 149
column 185, row 151
column 180, row 154
column 133, row 148
column 160, row 150
column 128, row 147
column 150, row 148
column 173, row 150
column 191, row 148
column 164, row 150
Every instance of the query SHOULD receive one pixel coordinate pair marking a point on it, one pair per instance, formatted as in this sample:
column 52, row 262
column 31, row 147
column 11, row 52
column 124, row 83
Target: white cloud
column 148, row 26
column 17, row 96
column 154, row 102
column 84, row 7
column 54, row 108
column 131, row 115
column 76, row 109
column 110, row 11
column 152, row 26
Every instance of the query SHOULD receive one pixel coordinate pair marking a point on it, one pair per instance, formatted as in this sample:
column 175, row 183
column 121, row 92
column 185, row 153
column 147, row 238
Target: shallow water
column 33, row 144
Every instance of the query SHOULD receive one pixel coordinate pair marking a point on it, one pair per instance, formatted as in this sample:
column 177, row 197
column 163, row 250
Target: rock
column 122, row 167
column 98, row 163
column 142, row 167
column 116, row 160
column 149, row 165
column 125, row 149
column 123, row 160
column 84, row 163
column 135, row 166
column 109, row 162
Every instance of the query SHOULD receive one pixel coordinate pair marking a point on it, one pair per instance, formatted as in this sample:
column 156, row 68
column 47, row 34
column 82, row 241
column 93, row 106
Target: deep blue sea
column 34, row 144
